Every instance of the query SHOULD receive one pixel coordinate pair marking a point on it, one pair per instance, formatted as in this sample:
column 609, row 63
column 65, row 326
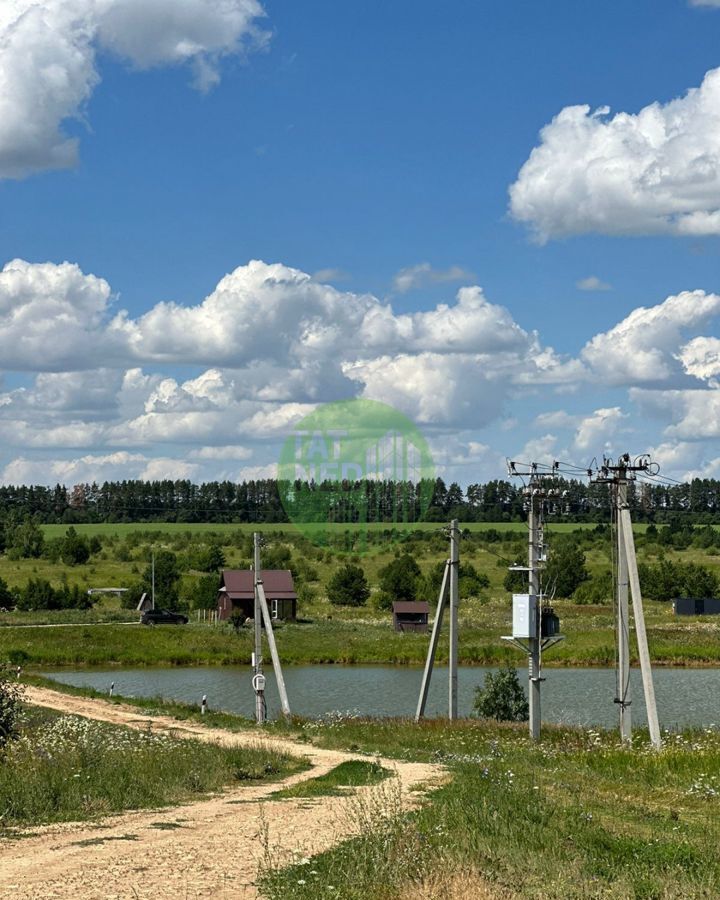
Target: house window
column 274, row 609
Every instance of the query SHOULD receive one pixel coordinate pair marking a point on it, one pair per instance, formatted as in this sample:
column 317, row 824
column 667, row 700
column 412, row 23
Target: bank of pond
column 570, row 696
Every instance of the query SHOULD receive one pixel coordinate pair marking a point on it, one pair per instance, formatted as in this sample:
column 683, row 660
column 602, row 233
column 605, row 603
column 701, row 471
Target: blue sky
column 373, row 147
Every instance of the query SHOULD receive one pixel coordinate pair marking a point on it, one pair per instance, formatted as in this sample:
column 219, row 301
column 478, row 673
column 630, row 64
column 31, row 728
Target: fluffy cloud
column 48, row 61
column 414, row 277
column 51, row 317
column 692, row 414
column 654, row 172
column 595, row 433
column 270, row 343
column 647, row 346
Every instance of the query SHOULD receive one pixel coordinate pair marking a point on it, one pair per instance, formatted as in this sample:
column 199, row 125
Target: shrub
column 10, row 697
column 598, row 589
column 502, row 697
column 348, row 587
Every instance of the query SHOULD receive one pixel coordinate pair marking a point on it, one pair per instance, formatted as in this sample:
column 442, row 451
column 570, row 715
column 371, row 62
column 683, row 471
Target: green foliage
column 7, row 597
column 350, row 774
column 75, row 550
column 598, row 589
column 39, row 593
column 26, row 541
column 237, row 620
column 348, row 587
column 669, row 579
column 305, row 594
column 471, row 583
column 201, row 593
column 565, row 570
column 10, row 698
column 207, row 558
column 167, row 576
column 400, row 579
column 502, row 697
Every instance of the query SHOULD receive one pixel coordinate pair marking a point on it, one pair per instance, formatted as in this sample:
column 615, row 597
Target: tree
column 7, row 598
column 399, row 579
column 167, row 575
column 75, row 550
column 565, row 570
column 27, row 540
column 502, row 697
column 208, row 558
column 349, row 587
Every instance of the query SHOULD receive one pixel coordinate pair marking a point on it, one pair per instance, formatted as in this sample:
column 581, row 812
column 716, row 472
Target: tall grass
column 574, row 817
column 68, row 768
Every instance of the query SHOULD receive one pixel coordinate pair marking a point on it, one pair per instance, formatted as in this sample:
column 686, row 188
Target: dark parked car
column 162, row 617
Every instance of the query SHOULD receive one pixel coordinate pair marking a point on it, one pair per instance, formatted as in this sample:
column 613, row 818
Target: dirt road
column 211, row 848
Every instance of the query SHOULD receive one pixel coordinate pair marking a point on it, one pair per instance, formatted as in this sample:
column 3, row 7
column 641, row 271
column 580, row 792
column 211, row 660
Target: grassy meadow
column 326, row 633
column 67, row 768
column 574, row 816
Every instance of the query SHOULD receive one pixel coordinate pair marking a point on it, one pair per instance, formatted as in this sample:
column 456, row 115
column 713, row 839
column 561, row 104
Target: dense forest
column 373, row 501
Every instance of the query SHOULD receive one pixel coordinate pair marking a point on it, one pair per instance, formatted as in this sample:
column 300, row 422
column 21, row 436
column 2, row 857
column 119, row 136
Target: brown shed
column 410, row 615
column 237, row 593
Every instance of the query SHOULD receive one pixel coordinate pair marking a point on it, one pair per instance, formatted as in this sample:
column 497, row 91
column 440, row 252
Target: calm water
column 571, row 696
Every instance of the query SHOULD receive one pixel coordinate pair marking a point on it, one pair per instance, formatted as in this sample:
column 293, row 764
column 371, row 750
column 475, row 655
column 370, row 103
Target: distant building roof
column 410, row 606
column 239, row 584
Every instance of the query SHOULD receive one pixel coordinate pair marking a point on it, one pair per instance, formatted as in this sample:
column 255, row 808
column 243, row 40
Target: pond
column 686, row 697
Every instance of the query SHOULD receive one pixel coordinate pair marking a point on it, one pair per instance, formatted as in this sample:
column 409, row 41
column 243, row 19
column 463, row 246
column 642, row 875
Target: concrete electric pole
column 449, row 595
column 626, row 576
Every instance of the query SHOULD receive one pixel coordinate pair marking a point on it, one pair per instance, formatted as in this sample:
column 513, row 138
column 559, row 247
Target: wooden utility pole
column 448, row 591
column 618, row 476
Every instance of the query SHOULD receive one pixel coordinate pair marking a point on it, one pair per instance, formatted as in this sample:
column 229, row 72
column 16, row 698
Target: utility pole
column 153, row 580
column 454, row 599
column 622, row 691
column 618, row 476
column 262, row 617
column 448, row 596
column 534, row 678
column 535, row 626
column 258, row 680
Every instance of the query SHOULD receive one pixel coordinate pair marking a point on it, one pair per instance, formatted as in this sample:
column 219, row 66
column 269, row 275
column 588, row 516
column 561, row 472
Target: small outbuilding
column 696, row 606
column 410, row 615
column 237, row 593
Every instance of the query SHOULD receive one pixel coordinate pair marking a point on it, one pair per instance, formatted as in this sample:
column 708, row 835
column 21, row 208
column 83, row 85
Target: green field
column 326, row 633
column 204, row 528
column 574, row 817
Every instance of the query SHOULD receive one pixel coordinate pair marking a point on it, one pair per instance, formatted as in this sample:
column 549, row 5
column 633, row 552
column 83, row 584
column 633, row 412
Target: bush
column 348, row 587
column 502, row 697
column 10, row 697
column 598, row 589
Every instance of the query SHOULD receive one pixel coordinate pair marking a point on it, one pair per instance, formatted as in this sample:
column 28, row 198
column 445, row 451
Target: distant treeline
column 375, row 501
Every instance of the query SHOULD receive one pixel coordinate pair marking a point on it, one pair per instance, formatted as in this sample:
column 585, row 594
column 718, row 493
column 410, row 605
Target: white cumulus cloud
column 654, row 172
column 48, row 69
column 647, row 345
